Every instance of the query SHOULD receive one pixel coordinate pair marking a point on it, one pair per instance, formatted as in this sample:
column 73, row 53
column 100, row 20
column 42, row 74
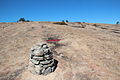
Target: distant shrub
column 95, row 25
column 27, row 20
column 63, row 21
column 60, row 23
column 66, row 20
column 78, row 22
column 51, row 37
column 23, row 20
column 117, row 22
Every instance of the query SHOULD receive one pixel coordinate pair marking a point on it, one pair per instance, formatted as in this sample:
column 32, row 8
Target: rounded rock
column 47, row 71
column 34, row 61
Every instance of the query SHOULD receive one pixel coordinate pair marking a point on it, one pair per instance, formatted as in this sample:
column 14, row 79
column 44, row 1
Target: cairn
column 41, row 60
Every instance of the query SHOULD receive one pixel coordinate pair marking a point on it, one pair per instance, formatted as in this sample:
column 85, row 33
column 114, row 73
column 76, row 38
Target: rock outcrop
column 41, row 60
column 90, row 53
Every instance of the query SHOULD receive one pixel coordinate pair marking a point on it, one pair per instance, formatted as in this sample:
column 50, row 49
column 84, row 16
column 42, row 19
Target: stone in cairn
column 41, row 60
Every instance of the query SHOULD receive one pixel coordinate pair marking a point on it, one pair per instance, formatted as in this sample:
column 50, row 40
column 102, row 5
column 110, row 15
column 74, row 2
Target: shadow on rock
column 55, row 64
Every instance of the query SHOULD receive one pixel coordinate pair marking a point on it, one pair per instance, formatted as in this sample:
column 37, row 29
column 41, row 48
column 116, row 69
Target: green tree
column 117, row 22
column 27, row 20
column 66, row 20
column 63, row 21
column 21, row 20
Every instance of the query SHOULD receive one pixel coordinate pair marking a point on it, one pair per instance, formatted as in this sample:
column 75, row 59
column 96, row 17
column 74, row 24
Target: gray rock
column 49, row 65
column 45, row 62
column 53, row 68
column 38, row 52
column 34, row 61
column 50, row 56
column 46, row 50
column 38, row 69
column 45, row 46
column 38, row 58
column 47, row 71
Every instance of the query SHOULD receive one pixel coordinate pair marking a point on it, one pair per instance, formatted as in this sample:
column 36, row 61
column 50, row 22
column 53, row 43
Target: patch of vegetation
column 83, row 22
column 95, row 25
column 67, row 21
column 78, row 22
column 23, row 20
column 52, row 37
column 117, row 22
column 63, row 21
column 60, row 23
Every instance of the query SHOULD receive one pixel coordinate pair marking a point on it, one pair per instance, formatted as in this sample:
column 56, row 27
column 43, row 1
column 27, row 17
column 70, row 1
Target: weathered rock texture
column 41, row 60
column 90, row 53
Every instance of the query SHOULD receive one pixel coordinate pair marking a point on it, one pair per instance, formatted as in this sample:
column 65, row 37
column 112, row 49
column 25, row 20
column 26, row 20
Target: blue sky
column 93, row 11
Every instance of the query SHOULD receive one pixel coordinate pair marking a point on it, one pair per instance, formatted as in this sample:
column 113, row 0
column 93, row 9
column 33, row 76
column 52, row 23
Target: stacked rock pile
column 41, row 60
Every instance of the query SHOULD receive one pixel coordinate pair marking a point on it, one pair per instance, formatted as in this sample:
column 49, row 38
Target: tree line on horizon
column 24, row 20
